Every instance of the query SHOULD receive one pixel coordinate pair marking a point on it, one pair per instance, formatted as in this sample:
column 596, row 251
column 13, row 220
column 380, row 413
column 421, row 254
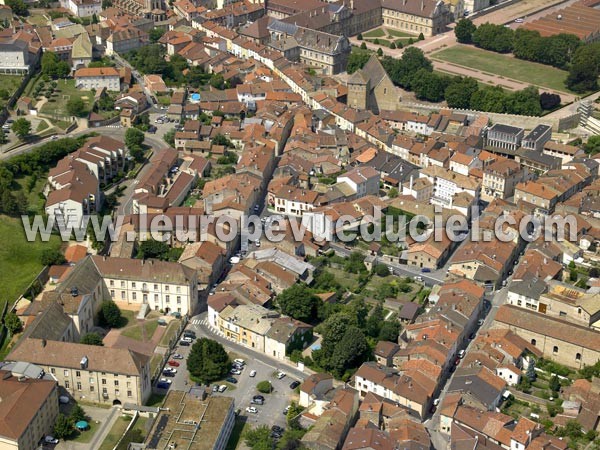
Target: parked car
column 187, row 339
column 161, row 385
column 169, row 370
column 257, row 401
column 177, row 356
column 223, row 388
column 259, row 397
column 165, row 380
column 235, row 372
column 190, row 334
column 185, row 343
column 241, row 362
column 252, row 373
column 519, row 20
column 251, row 409
column 425, row 270
column 63, row 399
column 277, row 429
column 173, row 363
column 461, row 353
column 152, row 129
column 280, row 375
column 215, row 388
column 231, row 380
column 168, row 374
column 480, row 322
column 294, row 384
column 50, row 440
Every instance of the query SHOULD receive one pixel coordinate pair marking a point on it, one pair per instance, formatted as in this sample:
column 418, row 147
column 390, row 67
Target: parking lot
column 270, row 413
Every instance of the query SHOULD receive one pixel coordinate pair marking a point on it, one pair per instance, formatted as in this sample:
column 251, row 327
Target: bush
column 392, row 46
column 381, row 270
column 363, row 46
column 110, row 314
column 51, row 257
column 264, row 387
column 359, row 37
column 92, row 339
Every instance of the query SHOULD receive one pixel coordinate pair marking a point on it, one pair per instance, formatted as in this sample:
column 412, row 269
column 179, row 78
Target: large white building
column 98, row 78
column 82, row 8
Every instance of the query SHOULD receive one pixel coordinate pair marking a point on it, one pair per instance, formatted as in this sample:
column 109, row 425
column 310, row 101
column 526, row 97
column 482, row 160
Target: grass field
column 35, row 198
column 142, row 332
column 115, row 433
column 19, row 259
column 10, row 83
column 57, row 106
column 170, row 333
column 505, row 66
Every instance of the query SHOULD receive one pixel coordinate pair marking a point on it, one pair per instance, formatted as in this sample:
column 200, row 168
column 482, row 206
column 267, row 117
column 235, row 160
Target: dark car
column 184, row 343
column 231, row 380
column 163, row 385
column 277, row 429
column 257, row 401
column 294, row 384
column 190, row 334
column 152, row 129
column 425, row 270
column 259, row 397
column 168, row 374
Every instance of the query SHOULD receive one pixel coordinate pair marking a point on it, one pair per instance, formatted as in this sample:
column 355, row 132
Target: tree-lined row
column 564, row 51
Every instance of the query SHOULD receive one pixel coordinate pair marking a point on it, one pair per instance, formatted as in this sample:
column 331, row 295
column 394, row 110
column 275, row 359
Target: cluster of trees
column 76, row 107
column 13, row 323
column 21, row 127
column 52, row 256
column 158, row 250
column 592, row 146
column 65, row 425
column 19, row 7
column 54, row 67
column 208, row 361
column 110, row 315
column 92, row 339
column 564, row 51
column 414, row 72
column 134, row 139
column 38, row 160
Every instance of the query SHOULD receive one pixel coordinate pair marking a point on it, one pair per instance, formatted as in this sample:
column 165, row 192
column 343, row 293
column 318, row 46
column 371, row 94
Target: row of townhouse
column 74, row 184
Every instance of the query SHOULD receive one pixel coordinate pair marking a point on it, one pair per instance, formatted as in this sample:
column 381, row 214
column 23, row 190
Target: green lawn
column 377, row 32
column 155, row 363
column 10, row 83
column 115, row 433
column 380, row 41
column 506, row 66
column 19, row 259
column 141, row 332
column 396, row 33
column 86, row 436
column 57, row 105
column 170, row 332
column 35, row 198
column 137, row 433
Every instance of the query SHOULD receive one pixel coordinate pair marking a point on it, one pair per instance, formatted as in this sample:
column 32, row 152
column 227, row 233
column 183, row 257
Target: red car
column 173, row 363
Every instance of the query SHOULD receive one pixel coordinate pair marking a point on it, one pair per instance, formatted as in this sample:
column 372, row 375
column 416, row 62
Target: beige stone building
column 92, row 373
column 500, row 179
column 429, row 17
column 371, row 88
column 563, row 342
column 247, row 324
column 28, row 410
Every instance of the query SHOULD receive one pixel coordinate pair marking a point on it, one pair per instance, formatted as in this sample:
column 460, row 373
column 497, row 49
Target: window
column 66, row 385
column 77, row 373
column 66, row 373
column 555, row 349
column 122, row 284
column 116, row 382
column 91, row 380
column 533, row 342
column 166, row 299
column 116, row 392
column 156, row 287
column 133, row 284
column 122, row 295
column 178, row 289
column 167, row 288
column 179, row 300
column 78, row 386
column 103, row 380
column 129, row 394
column 52, row 371
column 578, row 356
column 133, row 296
column 91, row 388
column 112, row 293
column 111, row 283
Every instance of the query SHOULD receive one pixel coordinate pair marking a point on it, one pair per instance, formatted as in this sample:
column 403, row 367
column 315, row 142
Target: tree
column 592, row 146
column 153, row 249
column 421, row 37
column 554, row 384
column 110, row 314
column 525, row 102
column 299, row 302
column 393, row 193
column 381, row 270
column 374, row 321
column 573, row 274
column 49, row 63
column 355, row 263
column 549, row 101
column 21, row 127
column 464, row 31
column 351, row 351
column 169, row 137
column 494, row 37
column 359, row 37
column 78, row 414
column 19, row 7
column 376, row 41
column 208, row 361
column 259, row 438
column 292, row 415
column 133, row 137
column 217, row 81
column 392, row 46
column 76, row 107
column 358, row 59
column 51, row 257
column 428, row 85
column 155, row 34
column 379, row 52
column 137, row 153
column 459, row 91
column 390, row 329
column 585, row 68
column 92, row 339
column 264, row 387
column 13, row 323
column 63, row 427
column 219, row 139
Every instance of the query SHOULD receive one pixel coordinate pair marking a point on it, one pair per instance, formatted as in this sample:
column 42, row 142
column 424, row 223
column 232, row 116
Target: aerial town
column 300, row 225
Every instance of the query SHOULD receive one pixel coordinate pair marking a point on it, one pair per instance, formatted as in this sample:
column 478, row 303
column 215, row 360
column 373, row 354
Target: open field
column 19, row 259
column 505, row 66
column 10, row 83
column 66, row 90
column 141, row 332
